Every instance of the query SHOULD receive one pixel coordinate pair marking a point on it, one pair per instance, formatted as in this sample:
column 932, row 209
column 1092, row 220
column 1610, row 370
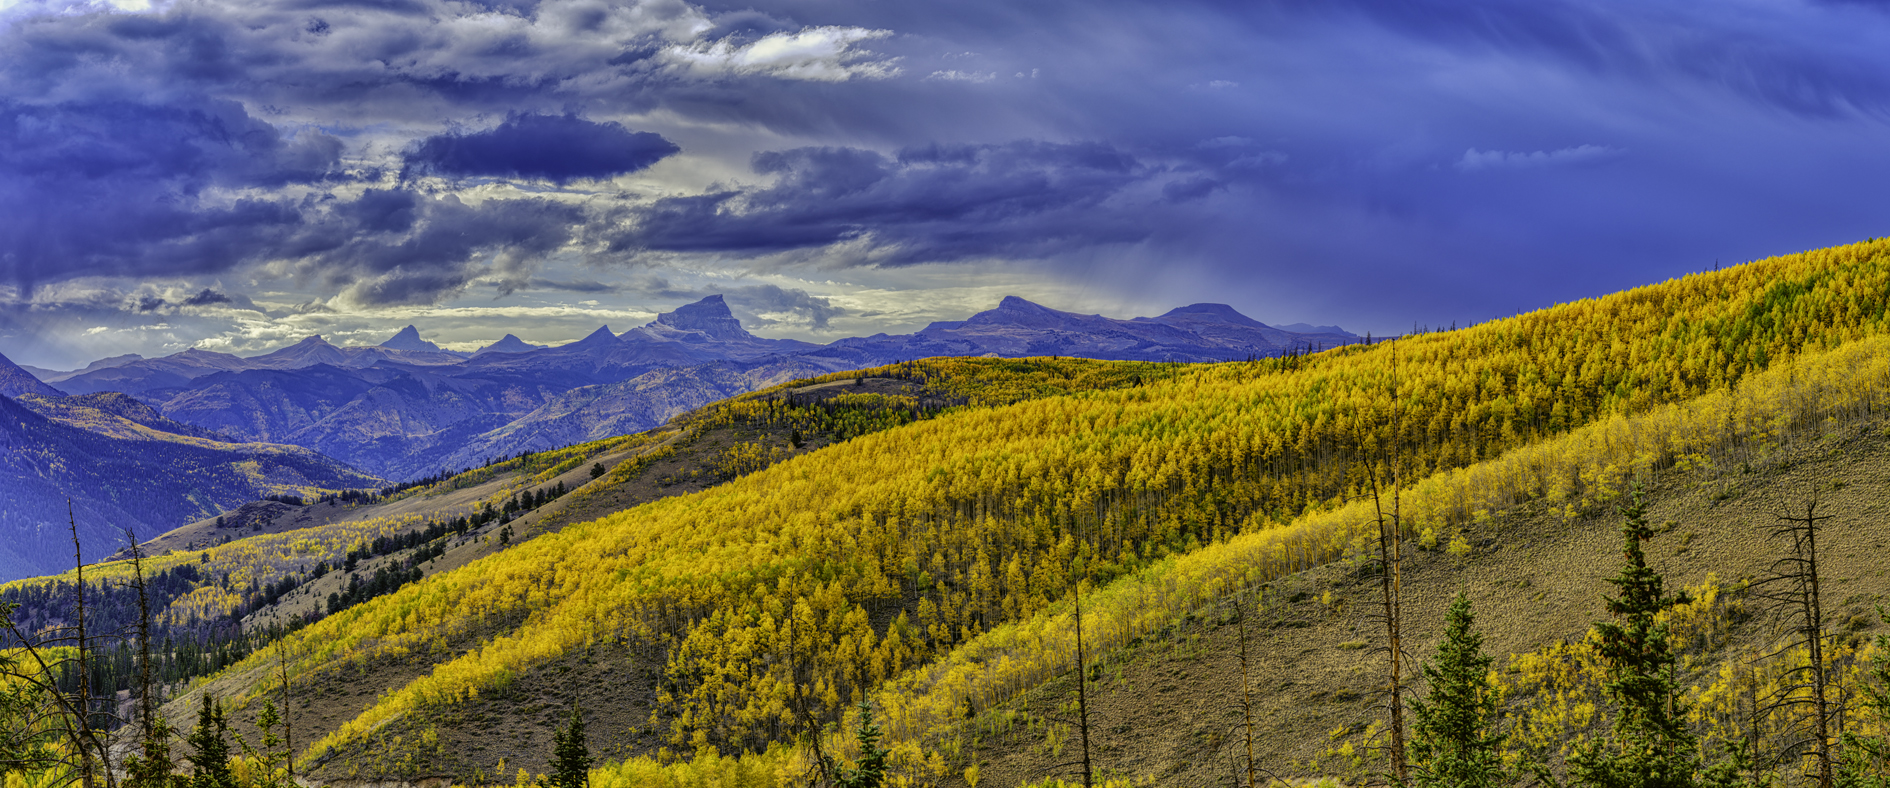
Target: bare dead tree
column 1246, row 689
column 288, row 698
column 1248, row 707
column 1793, row 589
column 1082, row 690
column 1391, row 563
column 1085, row 764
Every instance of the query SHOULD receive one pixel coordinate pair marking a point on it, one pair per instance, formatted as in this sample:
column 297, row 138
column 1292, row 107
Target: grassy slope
column 1166, row 709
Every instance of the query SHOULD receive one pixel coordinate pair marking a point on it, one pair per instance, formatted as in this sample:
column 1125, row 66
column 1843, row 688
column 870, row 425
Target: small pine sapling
column 570, row 756
column 1454, row 740
column 871, row 771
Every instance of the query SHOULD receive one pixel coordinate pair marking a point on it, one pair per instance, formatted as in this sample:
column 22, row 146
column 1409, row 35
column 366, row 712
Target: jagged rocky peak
column 709, row 317
column 602, row 337
column 510, row 344
column 409, row 339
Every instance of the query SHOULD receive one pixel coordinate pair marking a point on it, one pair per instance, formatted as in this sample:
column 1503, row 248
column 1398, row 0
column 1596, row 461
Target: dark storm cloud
column 206, row 297
column 574, row 286
column 555, row 148
column 926, row 204
column 116, row 187
column 816, row 311
column 1781, row 55
column 1463, row 158
column 401, row 247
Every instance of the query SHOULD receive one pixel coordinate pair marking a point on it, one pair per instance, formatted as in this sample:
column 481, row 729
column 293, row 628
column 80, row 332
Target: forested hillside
column 924, row 556
column 954, row 526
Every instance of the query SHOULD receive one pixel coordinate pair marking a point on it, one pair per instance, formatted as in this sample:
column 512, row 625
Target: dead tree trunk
column 1794, row 589
column 1082, row 689
column 1391, row 580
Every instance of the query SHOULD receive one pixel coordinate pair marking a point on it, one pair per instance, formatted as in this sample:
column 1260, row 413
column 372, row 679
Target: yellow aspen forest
column 876, row 559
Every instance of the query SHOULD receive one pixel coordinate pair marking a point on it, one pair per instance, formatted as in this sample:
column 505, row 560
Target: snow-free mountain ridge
column 405, row 408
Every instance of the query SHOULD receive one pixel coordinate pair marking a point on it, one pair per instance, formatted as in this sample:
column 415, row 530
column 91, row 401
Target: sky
column 238, row 174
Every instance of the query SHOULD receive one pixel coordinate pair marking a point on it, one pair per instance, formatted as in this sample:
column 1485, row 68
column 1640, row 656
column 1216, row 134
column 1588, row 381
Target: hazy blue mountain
column 1302, row 328
column 180, row 369
column 405, row 409
column 54, row 376
column 1201, row 332
column 124, row 465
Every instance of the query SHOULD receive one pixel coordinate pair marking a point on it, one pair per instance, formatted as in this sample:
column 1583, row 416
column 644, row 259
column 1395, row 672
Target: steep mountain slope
column 121, row 465
column 931, row 560
column 15, row 381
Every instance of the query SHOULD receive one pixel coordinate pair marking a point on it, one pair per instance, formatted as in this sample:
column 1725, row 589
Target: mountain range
column 117, row 463
column 408, row 408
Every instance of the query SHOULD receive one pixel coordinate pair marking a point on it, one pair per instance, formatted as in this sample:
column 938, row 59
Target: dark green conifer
column 1455, row 743
column 209, row 749
column 1650, row 745
column 570, row 757
column 871, row 771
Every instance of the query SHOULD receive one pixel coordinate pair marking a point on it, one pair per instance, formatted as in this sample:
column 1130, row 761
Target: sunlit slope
column 886, row 548
column 1766, row 419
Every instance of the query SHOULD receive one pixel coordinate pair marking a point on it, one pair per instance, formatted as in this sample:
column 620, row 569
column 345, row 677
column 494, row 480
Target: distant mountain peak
column 709, row 317
column 1015, row 304
column 409, row 339
column 510, row 344
column 312, row 339
column 1302, row 328
column 602, row 337
column 1219, row 313
column 1018, row 312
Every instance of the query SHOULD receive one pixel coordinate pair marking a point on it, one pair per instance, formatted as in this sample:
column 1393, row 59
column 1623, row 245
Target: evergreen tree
column 1649, row 746
column 1865, row 758
column 570, row 758
column 871, row 772
column 152, row 767
column 272, row 761
column 210, row 751
column 1454, row 742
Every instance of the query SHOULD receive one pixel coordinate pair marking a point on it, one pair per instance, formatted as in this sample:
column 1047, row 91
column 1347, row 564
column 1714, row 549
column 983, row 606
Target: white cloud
column 815, row 54
column 954, row 75
column 1474, row 159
